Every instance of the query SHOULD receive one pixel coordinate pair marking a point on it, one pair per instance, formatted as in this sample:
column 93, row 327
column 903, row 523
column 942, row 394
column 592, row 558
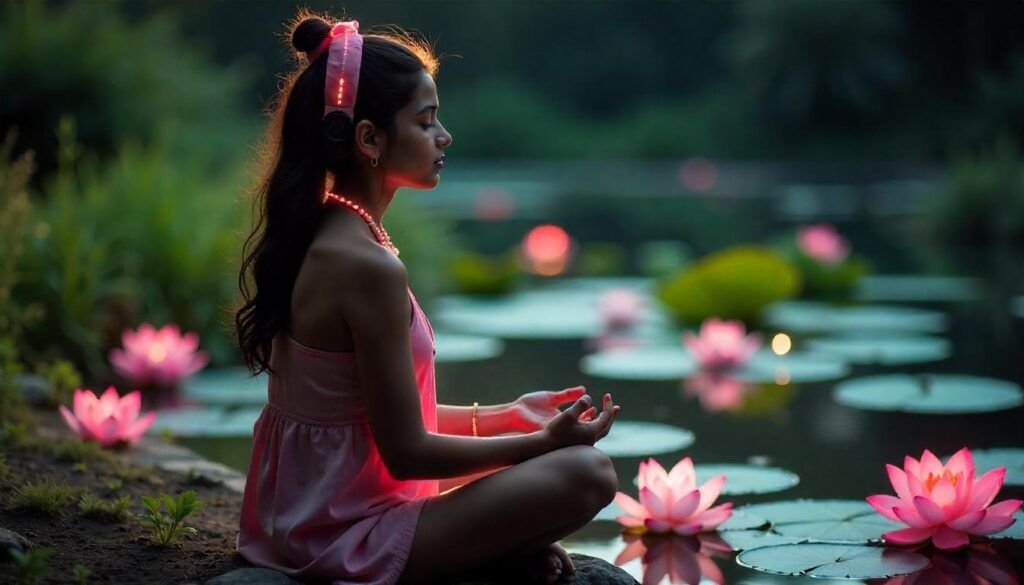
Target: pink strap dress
column 319, row 501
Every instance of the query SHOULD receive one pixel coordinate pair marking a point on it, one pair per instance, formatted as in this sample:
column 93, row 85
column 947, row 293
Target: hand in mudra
column 535, row 409
column 576, row 425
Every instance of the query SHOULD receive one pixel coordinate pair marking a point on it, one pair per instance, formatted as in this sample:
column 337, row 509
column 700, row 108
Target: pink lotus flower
column 683, row 559
column 621, row 308
column 672, row 502
column 823, row 243
column 943, row 502
column 162, row 357
column 109, row 419
column 722, row 344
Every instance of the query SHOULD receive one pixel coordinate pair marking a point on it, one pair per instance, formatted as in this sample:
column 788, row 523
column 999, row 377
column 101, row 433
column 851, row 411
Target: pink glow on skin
column 943, row 503
column 982, row 567
column 718, row 392
column 109, row 420
column 546, row 248
column 722, row 344
column 671, row 502
column 681, row 559
column 162, row 357
column 823, row 243
column 621, row 308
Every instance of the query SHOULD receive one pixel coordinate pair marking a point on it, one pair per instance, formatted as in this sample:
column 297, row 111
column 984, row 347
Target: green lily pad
column 226, row 386
column 918, row 288
column 1010, row 458
column 741, row 540
column 746, row 479
column 1017, row 306
column 929, row 393
column 213, row 421
column 884, row 349
column 846, row 521
column 653, row 364
column 832, row 561
column 464, row 348
column 794, row 367
column 638, row 439
column 811, row 317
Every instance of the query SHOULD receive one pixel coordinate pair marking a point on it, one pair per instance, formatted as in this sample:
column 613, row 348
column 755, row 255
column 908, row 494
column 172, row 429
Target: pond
column 922, row 361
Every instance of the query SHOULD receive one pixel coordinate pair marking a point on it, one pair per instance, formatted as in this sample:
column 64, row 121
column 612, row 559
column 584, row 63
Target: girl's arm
column 376, row 305
column 491, row 420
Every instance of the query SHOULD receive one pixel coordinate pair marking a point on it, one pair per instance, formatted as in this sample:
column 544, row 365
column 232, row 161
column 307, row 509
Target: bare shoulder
column 355, row 273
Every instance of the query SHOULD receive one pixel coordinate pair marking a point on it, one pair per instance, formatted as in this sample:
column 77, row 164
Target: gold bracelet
column 473, row 419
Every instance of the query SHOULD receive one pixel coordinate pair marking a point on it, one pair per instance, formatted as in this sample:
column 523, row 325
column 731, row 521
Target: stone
column 35, row 388
column 252, row 576
column 589, row 571
column 10, row 539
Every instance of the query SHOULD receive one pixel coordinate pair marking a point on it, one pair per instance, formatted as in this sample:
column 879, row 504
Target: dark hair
column 300, row 148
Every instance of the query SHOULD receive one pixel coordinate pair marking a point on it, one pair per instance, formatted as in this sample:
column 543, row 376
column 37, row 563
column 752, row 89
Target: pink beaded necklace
column 378, row 230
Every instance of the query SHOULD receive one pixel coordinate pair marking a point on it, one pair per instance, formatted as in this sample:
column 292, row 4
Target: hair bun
column 309, row 33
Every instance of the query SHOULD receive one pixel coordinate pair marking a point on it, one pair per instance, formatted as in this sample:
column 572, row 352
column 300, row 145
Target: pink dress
column 319, row 501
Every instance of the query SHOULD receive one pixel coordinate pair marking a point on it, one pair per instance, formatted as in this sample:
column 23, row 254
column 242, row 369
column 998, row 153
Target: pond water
column 925, row 361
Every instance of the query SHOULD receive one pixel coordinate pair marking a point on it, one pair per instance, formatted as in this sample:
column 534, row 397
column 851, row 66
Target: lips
column 440, row 162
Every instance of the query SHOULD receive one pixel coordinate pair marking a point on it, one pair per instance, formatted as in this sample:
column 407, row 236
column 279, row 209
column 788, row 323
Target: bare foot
column 548, row 566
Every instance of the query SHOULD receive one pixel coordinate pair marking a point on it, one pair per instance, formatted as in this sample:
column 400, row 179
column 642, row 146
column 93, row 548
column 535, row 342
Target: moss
column 79, row 452
column 94, row 506
column 44, row 496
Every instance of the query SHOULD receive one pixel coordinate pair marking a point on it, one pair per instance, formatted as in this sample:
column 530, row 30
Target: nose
column 445, row 140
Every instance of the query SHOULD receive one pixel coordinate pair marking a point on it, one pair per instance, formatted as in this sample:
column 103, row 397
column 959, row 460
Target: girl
column 349, row 450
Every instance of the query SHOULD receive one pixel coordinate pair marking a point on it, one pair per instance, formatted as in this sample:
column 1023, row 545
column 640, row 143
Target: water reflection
column 675, row 559
column 717, row 391
column 977, row 565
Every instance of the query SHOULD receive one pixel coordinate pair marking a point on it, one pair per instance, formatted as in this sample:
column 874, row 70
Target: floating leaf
column 810, row 317
column 884, row 349
column 637, row 439
column 929, row 393
column 741, row 540
column 795, row 367
column 1010, row 458
column 918, row 288
column 464, row 348
column 226, row 386
column 832, row 561
column 848, row 521
column 746, row 479
column 653, row 364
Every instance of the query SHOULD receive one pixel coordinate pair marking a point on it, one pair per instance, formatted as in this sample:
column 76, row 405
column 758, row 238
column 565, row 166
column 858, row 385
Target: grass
column 79, row 452
column 94, row 506
column 44, row 496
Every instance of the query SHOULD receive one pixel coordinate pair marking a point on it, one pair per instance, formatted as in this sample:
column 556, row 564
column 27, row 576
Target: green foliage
column 76, row 451
column 4, row 469
column 96, row 507
column 478, row 274
column 980, row 200
column 120, row 79
column 31, row 566
column 662, row 258
column 63, row 378
column 168, row 528
column 44, row 496
column 81, row 573
column 425, row 241
column 601, row 259
column 836, row 282
column 736, row 283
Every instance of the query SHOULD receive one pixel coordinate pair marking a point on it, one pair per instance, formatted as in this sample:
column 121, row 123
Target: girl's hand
column 534, row 410
column 577, row 426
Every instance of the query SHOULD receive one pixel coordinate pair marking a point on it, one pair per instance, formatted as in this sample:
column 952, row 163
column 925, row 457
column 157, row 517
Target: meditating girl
column 354, row 465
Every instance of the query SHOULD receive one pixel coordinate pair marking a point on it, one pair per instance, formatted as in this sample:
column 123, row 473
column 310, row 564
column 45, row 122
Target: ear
column 370, row 141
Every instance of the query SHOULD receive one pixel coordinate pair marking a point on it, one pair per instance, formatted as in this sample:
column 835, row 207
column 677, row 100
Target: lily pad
column 918, row 288
column 1010, row 458
column 832, row 561
column 746, row 479
column 211, row 421
column 795, row 367
column 464, row 348
column 654, row 364
column 812, row 317
column 846, row 521
column 1017, row 306
column 884, row 349
column 740, row 540
column 929, row 393
column 637, row 439
column 226, row 386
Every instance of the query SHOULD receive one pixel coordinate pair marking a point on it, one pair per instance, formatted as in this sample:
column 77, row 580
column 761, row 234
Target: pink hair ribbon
column 344, row 46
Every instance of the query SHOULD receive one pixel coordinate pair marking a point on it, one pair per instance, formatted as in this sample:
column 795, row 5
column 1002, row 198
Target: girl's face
column 420, row 141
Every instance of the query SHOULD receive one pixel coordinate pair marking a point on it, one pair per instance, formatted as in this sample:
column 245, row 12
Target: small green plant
column 81, row 573
column 168, row 528
column 4, row 470
column 114, row 484
column 64, row 378
column 76, row 451
column 31, row 566
column 94, row 506
column 44, row 496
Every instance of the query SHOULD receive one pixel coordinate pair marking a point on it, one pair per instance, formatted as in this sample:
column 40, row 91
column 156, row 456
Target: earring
column 373, row 162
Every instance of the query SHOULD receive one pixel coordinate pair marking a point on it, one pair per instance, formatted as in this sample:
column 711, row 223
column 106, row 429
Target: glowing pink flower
column 621, row 308
column 109, row 419
column 943, row 502
column 823, row 243
column 672, row 502
column 722, row 344
column 683, row 559
column 162, row 357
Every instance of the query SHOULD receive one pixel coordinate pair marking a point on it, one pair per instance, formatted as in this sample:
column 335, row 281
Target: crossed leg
column 518, row 510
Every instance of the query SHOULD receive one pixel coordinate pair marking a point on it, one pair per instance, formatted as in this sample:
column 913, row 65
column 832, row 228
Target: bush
column 980, row 200
column 736, row 283
column 829, row 282
column 476, row 274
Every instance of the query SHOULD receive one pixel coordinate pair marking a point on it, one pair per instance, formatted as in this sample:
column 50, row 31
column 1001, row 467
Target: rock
column 35, row 388
column 10, row 539
column 589, row 571
column 252, row 576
